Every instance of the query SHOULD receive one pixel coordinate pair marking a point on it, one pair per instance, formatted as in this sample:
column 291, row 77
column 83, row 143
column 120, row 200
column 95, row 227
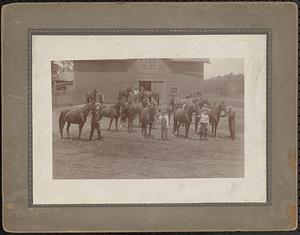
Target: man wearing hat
column 95, row 122
column 231, row 122
column 204, row 122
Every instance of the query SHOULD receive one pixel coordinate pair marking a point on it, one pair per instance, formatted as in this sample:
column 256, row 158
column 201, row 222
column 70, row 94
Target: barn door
column 145, row 84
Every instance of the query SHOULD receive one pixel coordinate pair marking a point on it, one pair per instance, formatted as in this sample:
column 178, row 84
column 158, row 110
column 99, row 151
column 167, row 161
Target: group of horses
column 183, row 110
column 134, row 95
column 132, row 104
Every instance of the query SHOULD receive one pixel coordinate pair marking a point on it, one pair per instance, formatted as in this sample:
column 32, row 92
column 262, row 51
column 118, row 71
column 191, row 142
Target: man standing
column 231, row 122
column 95, row 122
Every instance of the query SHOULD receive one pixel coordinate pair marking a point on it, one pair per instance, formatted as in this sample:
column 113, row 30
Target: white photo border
column 44, row 192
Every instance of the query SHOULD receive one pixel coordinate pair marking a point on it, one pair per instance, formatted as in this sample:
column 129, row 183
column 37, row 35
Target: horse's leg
column 178, row 126
column 196, row 124
column 117, row 123
column 216, row 126
column 186, row 130
column 187, row 127
column 131, row 124
column 80, row 129
column 111, row 119
column 150, row 127
column 139, row 120
column 91, row 131
column 68, row 127
column 61, row 127
column 145, row 129
column 174, row 126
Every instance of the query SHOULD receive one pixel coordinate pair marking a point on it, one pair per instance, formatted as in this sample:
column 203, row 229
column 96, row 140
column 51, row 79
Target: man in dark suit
column 231, row 123
column 95, row 122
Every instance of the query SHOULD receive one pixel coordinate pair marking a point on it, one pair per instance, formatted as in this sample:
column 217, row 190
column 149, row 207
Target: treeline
column 226, row 85
column 59, row 67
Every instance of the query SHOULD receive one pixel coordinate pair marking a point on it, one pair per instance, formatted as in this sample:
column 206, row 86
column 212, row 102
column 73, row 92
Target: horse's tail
column 62, row 122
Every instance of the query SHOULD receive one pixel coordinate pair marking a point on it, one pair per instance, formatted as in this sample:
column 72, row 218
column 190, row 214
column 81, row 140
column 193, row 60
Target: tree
column 226, row 85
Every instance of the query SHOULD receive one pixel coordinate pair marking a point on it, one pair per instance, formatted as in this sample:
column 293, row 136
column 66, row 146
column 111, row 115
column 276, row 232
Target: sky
column 220, row 66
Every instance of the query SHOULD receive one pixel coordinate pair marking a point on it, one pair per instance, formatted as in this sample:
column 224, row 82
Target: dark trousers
column 95, row 125
column 203, row 130
column 164, row 133
column 231, row 125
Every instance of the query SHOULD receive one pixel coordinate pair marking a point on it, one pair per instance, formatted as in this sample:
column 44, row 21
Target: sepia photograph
column 148, row 118
column 164, row 116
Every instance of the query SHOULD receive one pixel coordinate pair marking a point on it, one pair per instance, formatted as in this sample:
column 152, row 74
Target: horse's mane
column 84, row 107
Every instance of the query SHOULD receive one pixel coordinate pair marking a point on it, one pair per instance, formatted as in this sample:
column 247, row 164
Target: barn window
column 173, row 90
column 148, row 65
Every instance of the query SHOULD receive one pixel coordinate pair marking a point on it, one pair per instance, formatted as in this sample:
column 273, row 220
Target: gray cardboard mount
column 281, row 211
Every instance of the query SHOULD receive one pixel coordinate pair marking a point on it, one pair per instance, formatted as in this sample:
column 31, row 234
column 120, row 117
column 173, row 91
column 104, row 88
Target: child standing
column 204, row 122
column 164, row 125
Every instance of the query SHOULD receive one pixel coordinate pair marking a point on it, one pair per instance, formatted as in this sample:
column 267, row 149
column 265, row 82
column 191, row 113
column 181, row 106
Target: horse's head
column 120, row 104
column 152, row 111
column 190, row 107
column 222, row 107
column 91, row 105
column 197, row 108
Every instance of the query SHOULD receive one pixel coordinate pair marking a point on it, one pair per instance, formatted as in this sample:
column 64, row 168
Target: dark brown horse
column 112, row 112
column 129, row 112
column 93, row 95
column 77, row 116
column 147, row 118
column 183, row 115
column 214, row 117
column 134, row 110
column 149, row 95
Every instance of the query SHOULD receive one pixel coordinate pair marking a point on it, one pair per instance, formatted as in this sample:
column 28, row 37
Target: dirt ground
column 127, row 155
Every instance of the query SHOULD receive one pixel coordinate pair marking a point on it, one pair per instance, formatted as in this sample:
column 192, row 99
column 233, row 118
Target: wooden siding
column 110, row 76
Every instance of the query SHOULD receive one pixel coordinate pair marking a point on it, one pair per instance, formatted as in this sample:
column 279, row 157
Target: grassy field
column 127, row 155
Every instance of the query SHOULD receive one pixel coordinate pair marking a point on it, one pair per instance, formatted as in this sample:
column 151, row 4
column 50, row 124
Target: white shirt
column 204, row 118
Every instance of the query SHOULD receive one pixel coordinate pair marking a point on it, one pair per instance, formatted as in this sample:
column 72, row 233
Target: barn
column 168, row 77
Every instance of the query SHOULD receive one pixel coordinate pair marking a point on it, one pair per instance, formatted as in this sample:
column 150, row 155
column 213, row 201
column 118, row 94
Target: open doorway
column 145, row 84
